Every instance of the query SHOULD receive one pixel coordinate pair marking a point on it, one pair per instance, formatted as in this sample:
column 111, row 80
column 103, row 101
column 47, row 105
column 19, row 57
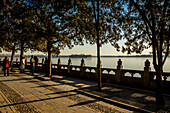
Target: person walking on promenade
column 43, row 62
column 46, row 65
column 6, row 66
column 25, row 61
column 36, row 63
column 22, row 64
column 32, row 62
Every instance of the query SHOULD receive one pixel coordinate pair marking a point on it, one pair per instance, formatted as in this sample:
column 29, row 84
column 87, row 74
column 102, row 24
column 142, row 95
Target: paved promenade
column 21, row 92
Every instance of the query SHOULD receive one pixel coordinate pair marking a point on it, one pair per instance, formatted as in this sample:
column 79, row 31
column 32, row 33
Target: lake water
column 134, row 63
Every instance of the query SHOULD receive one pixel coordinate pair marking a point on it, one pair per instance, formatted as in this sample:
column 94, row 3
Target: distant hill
column 17, row 55
column 129, row 56
column 84, row 56
column 80, row 56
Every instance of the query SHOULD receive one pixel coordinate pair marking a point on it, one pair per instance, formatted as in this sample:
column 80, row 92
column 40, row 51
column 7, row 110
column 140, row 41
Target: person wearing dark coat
column 6, row 66
column 36, row 63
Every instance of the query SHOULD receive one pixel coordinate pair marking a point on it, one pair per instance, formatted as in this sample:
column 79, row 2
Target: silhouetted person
column 17, row 62
column 36, row 63
column 46, row 64
column 43, row 61
column 6, row 66
column 32, row 63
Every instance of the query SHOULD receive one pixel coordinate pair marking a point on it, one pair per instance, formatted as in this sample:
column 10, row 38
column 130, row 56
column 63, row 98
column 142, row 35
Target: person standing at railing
column 32, row 62
column 25, row 61
column 6, row 66
column 17, row 62
column 36, row 63
column 46, row 65
column 22, row 64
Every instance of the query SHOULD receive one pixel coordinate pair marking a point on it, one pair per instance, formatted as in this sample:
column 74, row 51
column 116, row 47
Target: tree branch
column 94, row 11
column 147, row 23
column 167, row 50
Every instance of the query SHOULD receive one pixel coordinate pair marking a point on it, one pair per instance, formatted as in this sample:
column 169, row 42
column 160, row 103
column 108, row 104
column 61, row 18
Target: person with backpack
column 6, row 66
column 32, row 62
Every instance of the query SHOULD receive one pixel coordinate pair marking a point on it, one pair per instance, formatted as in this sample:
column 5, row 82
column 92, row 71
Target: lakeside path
column 21, row 92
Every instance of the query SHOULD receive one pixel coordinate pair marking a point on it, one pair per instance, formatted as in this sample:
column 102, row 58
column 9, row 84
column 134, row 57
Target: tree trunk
column 12, row 56
column 98, row 50
column 49, row 47
column 22, row 51
column 159, row 97
column 99, row 68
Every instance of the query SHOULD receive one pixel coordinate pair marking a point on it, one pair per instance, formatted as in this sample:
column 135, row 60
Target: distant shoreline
column 108, row 56
column 84, row 56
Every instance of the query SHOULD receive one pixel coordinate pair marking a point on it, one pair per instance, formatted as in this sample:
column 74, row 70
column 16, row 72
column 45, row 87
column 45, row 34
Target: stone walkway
column 130, row 98
column 21, row 92
column 126, row 97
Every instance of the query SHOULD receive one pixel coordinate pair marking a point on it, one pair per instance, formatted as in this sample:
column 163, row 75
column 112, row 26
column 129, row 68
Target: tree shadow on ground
column 84, row 103
column 62, row 92
column 26, row 102
column 137, row 98
column 15, row 79
column 46, row 85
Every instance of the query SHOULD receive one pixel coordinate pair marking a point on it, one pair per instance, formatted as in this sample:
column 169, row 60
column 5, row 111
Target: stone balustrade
column 142, row 78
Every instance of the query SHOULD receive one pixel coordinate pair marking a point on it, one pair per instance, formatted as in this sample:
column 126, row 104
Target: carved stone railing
column 132, row 73
column 144, row 78
column 108, row 71
column 152, row 75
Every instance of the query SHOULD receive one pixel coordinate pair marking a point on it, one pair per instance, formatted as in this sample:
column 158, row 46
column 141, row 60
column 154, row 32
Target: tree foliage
column 146, row 24
column 53, row 20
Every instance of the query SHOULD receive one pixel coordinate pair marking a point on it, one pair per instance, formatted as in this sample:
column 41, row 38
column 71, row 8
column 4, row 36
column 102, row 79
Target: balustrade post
column 82, row 68
column 59, row 65
column 145, row 76
column 69, row 64
column 118, row 73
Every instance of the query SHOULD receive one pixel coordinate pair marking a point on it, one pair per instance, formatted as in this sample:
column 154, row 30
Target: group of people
column 33, row 63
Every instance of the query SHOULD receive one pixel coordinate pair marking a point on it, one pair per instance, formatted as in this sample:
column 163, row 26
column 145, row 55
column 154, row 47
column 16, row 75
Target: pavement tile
column 4, row 108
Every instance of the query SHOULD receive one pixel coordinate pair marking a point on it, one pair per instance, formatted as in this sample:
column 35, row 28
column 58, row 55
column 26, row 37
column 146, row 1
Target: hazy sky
column 88, row 49
column 92, row 49
column 106, row 49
